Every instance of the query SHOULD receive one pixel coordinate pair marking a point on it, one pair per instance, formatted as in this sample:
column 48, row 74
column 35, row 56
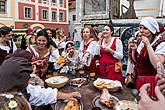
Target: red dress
column 92, row 66
column 106, row 68
column 144, row 70
column 41, row 69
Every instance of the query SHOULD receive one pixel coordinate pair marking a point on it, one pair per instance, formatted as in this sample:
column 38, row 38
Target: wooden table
column 89, row 92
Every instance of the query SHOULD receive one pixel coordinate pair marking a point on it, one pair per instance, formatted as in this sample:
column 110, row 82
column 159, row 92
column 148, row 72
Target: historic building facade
column 37, row 13
column 42, row 14
column 7, row 13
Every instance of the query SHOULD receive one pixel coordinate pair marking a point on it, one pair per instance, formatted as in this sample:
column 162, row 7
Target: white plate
column 96, row 103
column 60, row 104
column 57, row 79
column 78, row 81
column 115, row 85
column 132, row 105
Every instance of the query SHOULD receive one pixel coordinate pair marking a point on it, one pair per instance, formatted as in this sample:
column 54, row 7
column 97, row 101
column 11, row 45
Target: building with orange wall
column 7, row 13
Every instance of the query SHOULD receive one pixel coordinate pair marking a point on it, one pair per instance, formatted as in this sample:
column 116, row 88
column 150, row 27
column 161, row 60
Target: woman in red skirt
column 110, row 50
column 147, row 53
column 86, row 50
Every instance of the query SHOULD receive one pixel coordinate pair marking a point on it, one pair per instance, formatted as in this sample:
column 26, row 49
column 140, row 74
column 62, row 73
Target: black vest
column 3, row 53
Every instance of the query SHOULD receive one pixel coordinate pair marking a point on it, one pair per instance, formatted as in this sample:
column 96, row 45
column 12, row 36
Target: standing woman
column 51, row 41
column 60, row 40
column 147, row 53
column 51, row 37
column 87, row 49
column 7, row 46
column 110, row 50
column 41, row 53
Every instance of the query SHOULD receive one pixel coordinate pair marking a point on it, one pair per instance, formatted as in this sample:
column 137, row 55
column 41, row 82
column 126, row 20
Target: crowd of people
column 22, row 71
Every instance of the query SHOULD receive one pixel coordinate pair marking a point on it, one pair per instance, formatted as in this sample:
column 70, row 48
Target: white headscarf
column 151, row 24
column 67, row 44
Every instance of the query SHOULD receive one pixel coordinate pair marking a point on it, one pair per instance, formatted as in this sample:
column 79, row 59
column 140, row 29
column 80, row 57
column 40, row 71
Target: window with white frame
column 28, row 12
column 45, row 14
column 61, row 2
column 53, row 1
column 61, row 16
column 2, row 6
column 54, row 15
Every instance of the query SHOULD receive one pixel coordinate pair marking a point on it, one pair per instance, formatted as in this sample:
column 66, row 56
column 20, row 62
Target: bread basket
column 57, row 81
column 111, row 85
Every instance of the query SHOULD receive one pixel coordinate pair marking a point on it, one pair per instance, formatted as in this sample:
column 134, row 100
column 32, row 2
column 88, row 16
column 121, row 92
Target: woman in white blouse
column 110, row 50
column 7, row 46
column 147, row 53
column 42, row 52
column 60, row 40
column 86, row 50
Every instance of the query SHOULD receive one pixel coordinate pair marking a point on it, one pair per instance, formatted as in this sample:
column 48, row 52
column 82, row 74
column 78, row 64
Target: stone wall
column 100, row 11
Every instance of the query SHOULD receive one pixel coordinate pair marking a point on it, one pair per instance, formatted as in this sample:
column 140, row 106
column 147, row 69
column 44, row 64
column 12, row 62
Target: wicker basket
column 57, row 81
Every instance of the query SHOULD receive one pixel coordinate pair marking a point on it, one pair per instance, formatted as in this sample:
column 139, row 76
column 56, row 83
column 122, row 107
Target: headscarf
column 151, row 24
column 66, row 45
column 15, row 71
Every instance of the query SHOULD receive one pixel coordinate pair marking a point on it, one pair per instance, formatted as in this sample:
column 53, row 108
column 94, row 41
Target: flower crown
column 10, row 99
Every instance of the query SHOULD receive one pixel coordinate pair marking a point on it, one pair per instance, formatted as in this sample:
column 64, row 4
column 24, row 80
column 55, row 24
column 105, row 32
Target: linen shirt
column 7, row 48
column 160, row 49
column 118, row 54
column 41, row 96
column 90, row 49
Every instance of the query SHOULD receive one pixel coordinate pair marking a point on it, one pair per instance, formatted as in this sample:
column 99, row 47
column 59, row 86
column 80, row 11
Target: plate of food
column 111, row 85
column 69, row 105
column 105, row 101
column 126, row 105
column 78, row 82
column 57, row 81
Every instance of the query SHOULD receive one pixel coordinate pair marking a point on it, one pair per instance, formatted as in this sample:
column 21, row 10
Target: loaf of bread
column 72, row 105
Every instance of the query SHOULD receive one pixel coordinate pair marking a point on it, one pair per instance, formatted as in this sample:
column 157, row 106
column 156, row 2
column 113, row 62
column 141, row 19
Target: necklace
column 106, row 42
